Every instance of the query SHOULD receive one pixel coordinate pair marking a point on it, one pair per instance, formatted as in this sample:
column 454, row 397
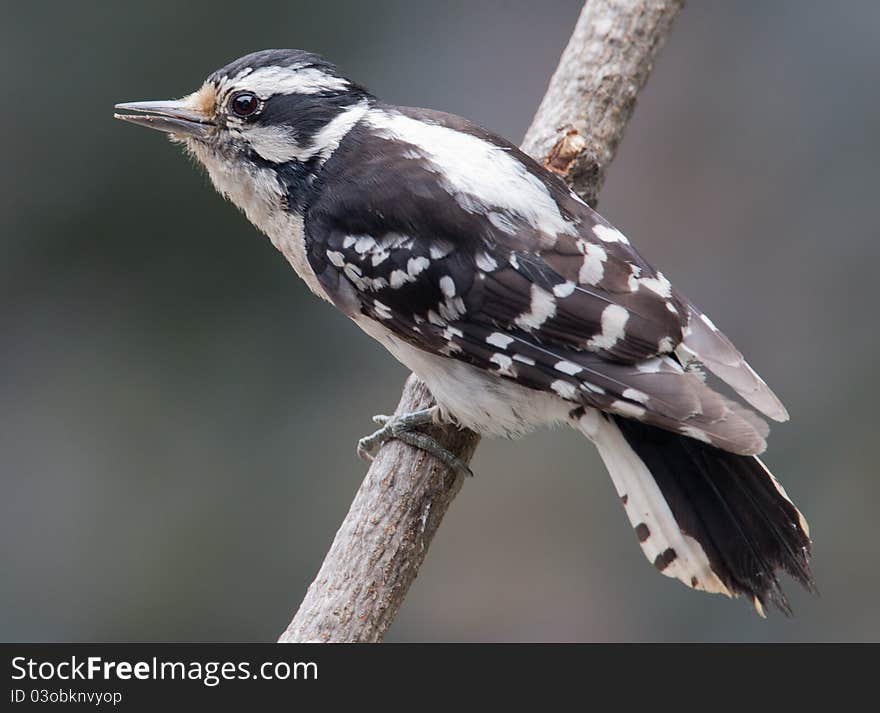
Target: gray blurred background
column 178, row 417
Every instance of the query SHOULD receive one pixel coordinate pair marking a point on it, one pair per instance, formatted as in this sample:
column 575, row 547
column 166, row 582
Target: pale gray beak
column 174, row 116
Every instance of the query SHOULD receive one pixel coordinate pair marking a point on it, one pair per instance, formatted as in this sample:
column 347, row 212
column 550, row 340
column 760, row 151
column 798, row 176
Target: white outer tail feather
column 647, row 509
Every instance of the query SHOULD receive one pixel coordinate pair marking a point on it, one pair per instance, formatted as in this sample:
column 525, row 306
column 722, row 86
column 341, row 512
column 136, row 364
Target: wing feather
column 705, row 343
column 459, row 270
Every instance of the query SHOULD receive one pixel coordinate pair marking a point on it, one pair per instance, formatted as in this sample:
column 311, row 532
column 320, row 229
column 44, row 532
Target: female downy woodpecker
column 515, row 302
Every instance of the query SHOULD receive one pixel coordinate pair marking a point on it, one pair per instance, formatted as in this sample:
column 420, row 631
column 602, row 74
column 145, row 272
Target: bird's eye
column 244, row 104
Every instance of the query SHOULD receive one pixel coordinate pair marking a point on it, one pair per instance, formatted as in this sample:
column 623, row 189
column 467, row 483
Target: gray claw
column 406, row 428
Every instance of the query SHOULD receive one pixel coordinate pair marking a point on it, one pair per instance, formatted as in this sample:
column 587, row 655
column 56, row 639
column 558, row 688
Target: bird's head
column 283, row 111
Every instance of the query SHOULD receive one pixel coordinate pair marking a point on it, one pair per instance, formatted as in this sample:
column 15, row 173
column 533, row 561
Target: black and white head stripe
column 271, row 72
column 303, row 108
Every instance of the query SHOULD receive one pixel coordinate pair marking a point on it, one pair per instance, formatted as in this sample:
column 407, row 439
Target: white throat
column 257, row 192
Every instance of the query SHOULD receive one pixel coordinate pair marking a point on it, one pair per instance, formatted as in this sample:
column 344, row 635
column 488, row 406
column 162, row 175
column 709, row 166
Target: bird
column 516, row 303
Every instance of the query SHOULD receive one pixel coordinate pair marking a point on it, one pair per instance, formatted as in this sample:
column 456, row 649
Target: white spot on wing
column 337, row 258
column 635, row 395
column 398, row 279
column 564, row 389
column 593, row 268
column 613, row 320
column 382, row 310
column 447, row 286
column 504, row 363
column 542, row 308
column 416, row 265
column 440, row 249
column 564, row 289
column 609, row 235
column 435, row 318
column 485, row 262
column 567, row 367
column 364, row 243
column 660, row 285
column 624, row 408
column 496, row 339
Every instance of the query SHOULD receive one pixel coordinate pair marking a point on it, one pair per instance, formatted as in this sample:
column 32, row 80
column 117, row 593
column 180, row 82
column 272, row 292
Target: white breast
column 472, row 397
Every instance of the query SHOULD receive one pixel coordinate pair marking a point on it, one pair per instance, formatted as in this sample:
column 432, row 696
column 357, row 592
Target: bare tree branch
column 384, row 539
column 592, row 94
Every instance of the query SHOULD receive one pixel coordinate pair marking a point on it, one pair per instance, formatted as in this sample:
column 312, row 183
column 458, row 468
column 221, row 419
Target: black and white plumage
column 516, row 303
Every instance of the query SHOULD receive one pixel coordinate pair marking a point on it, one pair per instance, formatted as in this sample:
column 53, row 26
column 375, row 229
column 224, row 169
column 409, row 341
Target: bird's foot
column 408, row 429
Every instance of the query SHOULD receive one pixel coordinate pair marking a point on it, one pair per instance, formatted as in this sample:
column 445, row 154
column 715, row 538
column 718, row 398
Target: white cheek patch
column 481, row 176
column 279, row 145
column 273, row 143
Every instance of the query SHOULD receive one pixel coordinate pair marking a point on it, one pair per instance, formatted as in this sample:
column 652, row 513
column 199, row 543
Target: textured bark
column 384, row 539
column 592, row 95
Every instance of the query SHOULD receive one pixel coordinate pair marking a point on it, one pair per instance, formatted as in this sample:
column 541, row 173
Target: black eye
column 244, row 104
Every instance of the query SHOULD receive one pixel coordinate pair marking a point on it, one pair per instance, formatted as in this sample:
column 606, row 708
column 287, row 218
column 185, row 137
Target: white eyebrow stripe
column 268, row 81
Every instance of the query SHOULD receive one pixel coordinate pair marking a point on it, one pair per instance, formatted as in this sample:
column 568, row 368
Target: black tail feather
column 732, row 506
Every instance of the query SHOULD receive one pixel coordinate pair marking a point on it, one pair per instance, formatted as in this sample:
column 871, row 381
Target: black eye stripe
column 244, row 104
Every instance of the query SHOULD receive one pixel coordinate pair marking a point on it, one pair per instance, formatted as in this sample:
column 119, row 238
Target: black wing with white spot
column 462, row 246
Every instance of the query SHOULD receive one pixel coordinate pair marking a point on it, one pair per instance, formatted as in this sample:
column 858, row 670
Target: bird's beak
column 176, row 116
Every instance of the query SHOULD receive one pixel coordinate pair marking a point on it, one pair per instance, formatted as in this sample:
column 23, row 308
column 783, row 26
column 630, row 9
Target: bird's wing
column 461, row 245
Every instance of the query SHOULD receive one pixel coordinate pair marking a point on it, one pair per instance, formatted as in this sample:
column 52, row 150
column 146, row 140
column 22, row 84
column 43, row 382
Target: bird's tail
column 718, row 521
